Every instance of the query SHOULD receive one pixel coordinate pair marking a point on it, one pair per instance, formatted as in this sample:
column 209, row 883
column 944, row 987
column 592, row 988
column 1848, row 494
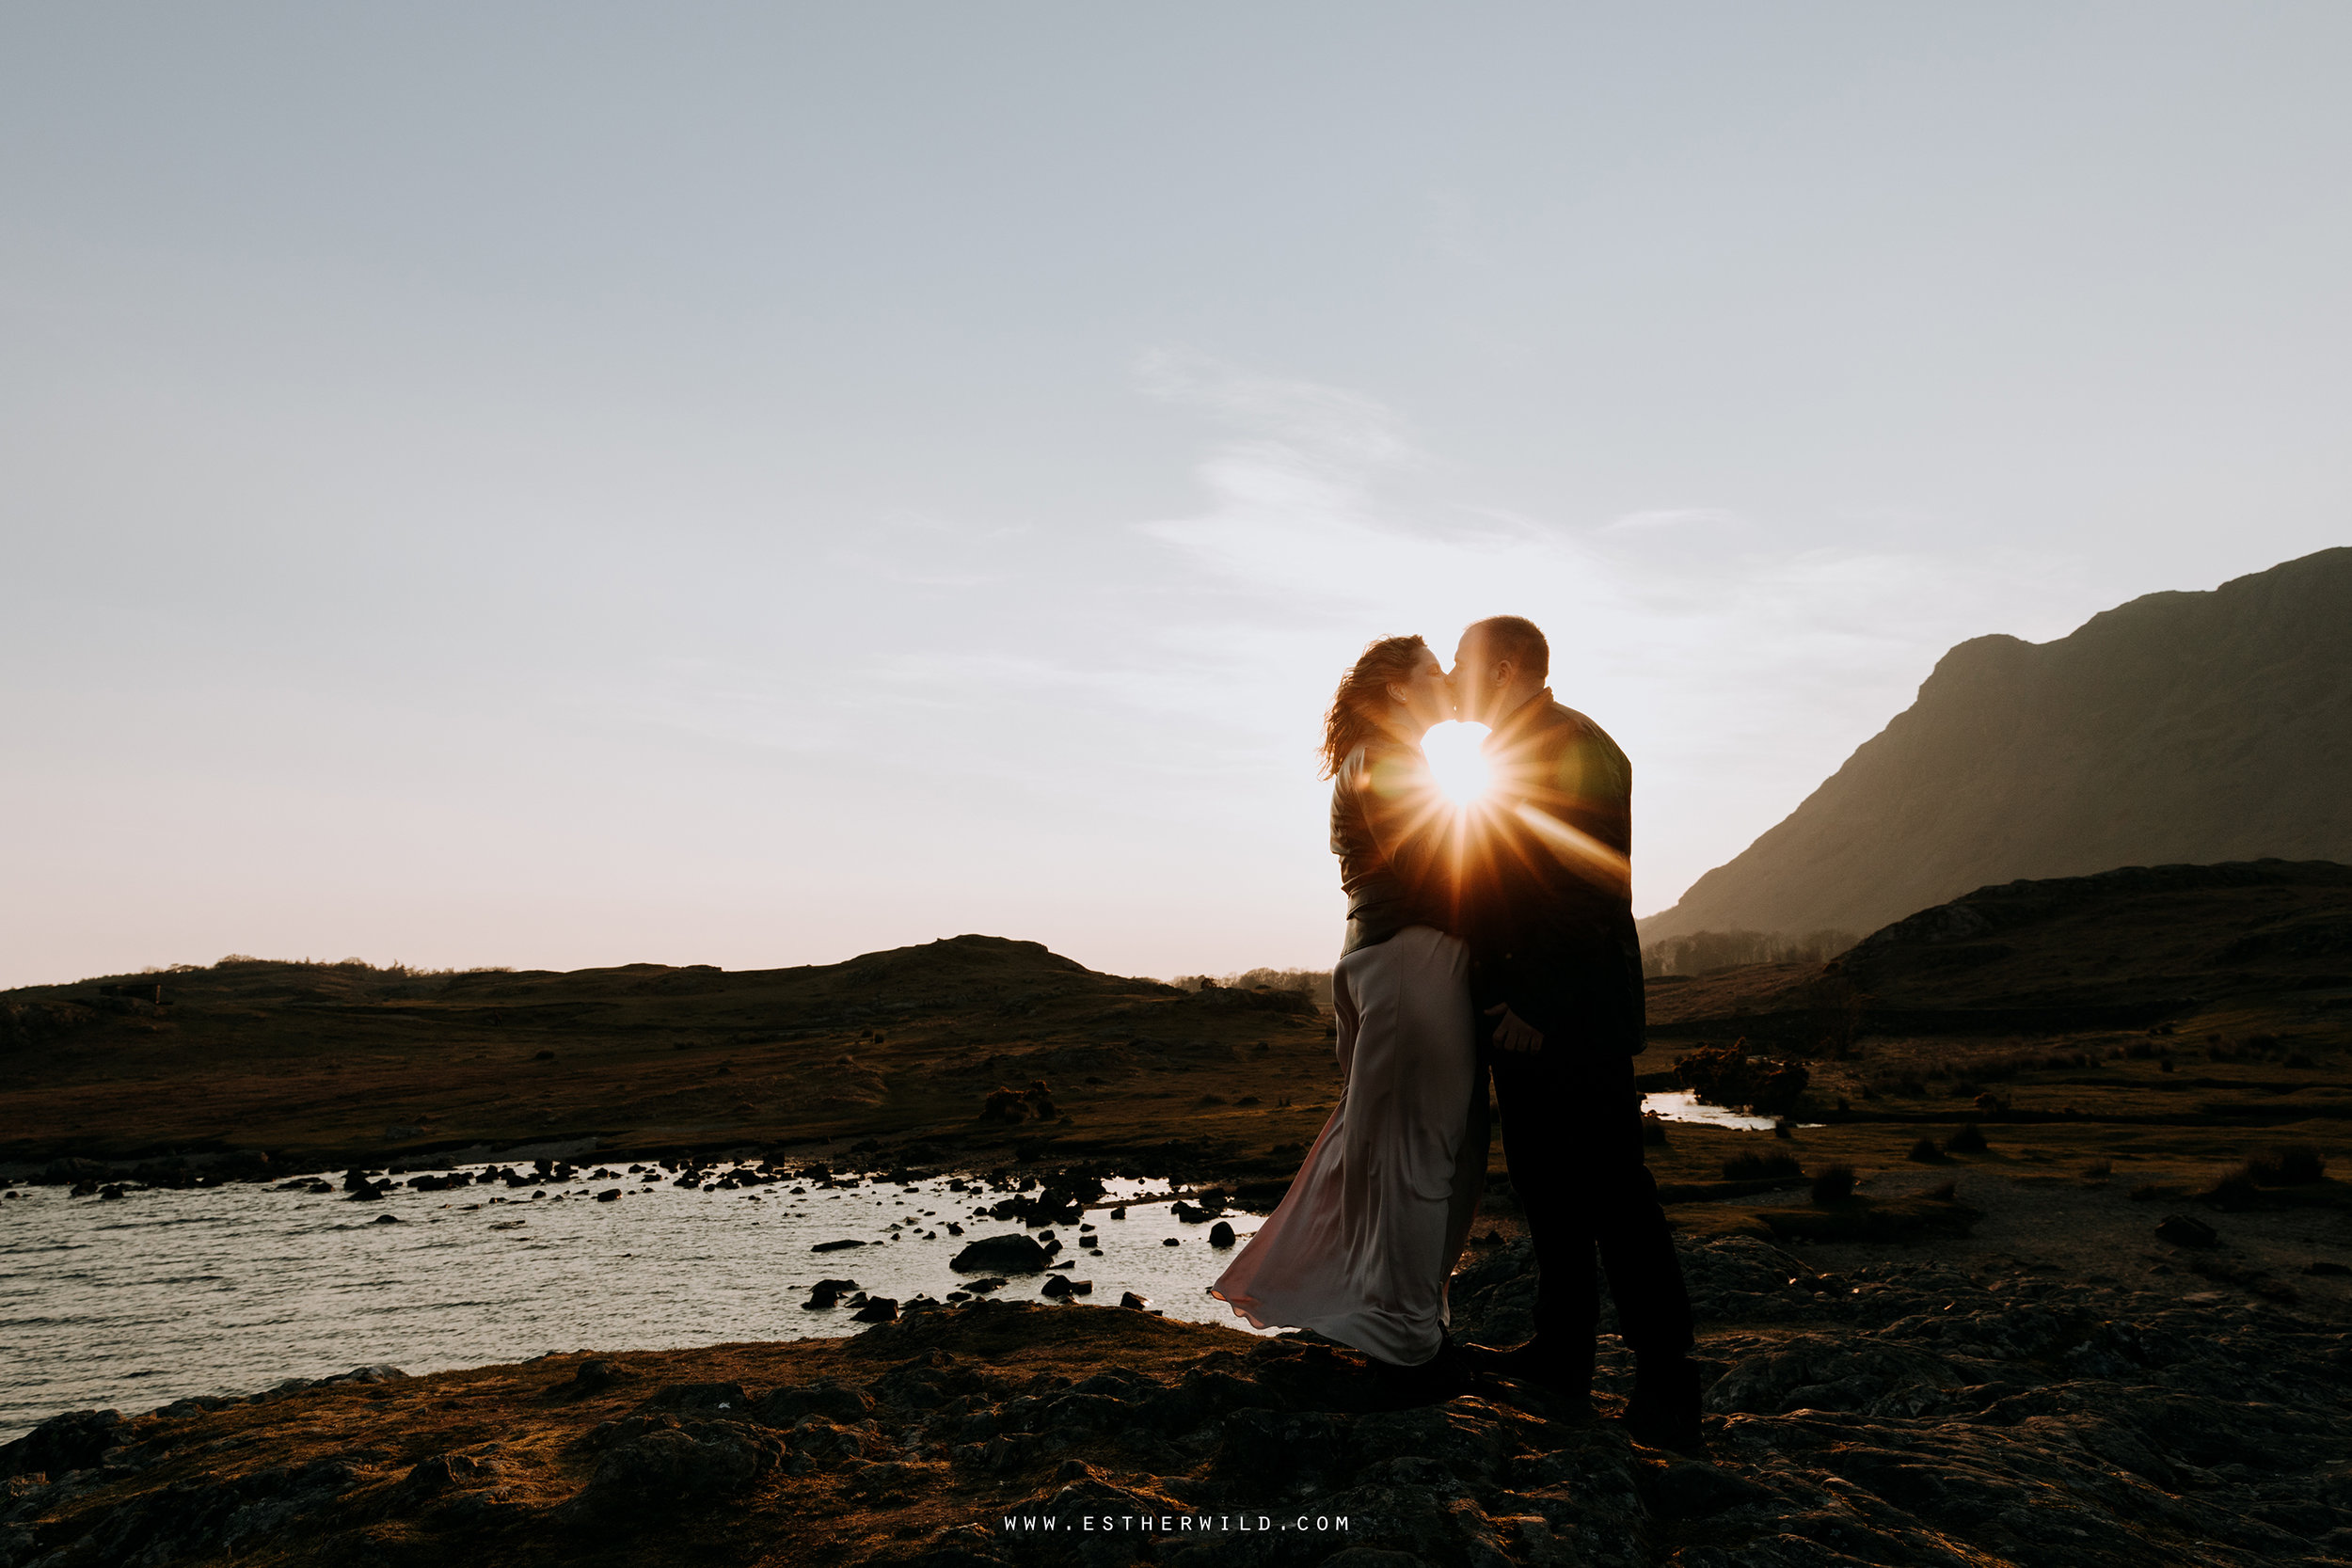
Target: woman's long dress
column 1362, row 1245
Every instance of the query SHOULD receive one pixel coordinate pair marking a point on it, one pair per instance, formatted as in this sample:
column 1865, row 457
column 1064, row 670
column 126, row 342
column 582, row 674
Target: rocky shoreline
column 1905, row 1410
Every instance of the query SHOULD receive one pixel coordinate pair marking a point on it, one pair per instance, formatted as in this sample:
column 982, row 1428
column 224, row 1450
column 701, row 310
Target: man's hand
column 1515, row 1033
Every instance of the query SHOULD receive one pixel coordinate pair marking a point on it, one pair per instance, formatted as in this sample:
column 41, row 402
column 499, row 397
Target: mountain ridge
column 2176, row 727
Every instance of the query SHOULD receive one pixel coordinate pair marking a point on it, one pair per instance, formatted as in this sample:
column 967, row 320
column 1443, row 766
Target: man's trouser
column 1572, row 1139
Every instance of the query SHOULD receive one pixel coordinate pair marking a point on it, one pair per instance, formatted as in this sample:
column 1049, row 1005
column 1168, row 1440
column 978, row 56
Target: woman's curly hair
column 1363, row 695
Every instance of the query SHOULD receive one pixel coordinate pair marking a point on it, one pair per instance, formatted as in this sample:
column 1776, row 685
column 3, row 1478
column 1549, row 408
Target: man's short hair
column 1516, row 638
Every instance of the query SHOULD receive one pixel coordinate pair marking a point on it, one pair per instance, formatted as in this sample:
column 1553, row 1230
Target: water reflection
column 163, row 1295
column 1683, row 1105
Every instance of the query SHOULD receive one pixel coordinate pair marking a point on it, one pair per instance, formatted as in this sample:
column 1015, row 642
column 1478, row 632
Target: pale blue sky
column 569, row 484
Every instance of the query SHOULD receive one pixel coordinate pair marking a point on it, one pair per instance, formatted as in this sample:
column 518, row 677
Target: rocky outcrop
column 2177, row 728
column 1904, row 1413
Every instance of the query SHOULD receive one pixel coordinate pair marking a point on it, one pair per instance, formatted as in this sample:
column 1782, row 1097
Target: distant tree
column 1705, row 952
column 1315, row 984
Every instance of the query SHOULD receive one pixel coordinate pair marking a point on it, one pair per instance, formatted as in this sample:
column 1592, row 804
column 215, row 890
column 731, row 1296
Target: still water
column 163, row 1295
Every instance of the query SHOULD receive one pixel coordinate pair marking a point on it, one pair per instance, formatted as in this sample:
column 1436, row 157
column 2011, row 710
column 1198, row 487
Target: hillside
column 2129, row 947
column 318, row 1061
column 2177, row 728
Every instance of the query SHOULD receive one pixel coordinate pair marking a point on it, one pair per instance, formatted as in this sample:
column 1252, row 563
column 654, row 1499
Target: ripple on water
column 229, row 1289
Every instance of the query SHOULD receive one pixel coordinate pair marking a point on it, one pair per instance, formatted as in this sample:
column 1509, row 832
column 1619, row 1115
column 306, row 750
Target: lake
column 166, row 1293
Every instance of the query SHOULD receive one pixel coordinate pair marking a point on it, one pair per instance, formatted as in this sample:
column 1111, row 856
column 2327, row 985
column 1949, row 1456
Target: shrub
column 1760, row 1168
column 1926, row 1152
column 2296, row 1166
column 1832, row 1185
column 2233, row 1190
column 1968, row 1140
column 1727, row 1075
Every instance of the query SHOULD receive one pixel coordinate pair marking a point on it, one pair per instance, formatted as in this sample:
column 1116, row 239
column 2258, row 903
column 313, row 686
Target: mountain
column 2176, row 728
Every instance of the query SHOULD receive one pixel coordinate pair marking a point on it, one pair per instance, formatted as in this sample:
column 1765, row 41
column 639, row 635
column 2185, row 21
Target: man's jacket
column 1545, row 881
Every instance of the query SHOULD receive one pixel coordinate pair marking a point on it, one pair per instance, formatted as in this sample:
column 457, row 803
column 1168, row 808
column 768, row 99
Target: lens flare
column 1454, row 761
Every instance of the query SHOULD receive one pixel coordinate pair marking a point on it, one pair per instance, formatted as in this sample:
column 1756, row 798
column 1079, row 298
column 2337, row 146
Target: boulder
column 74, row 1441
column 593, row 1376
column 827, row 1292
column 675, row 1466
column 1009, row 1252
column 2183, row 1230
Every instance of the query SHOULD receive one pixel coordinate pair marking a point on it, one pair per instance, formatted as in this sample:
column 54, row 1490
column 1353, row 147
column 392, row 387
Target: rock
column 593, row 1376
column 611, row 1194
column 878, row 1310
column 1221, row 1234
column 74, row 1441
column 1009, row 1252
column 826, row 1291
column 1128, row 1298
column 385, row 1219
column 432, row 1476
column 672, row 1466
column 826, row 1397
column 379, row 1371
column 1055, row 1285
column 1696, row 1491
column 837, row 1246
column 1171, row 1241
column 2183, row 1231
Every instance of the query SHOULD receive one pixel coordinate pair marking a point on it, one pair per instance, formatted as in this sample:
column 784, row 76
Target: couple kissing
column 1487, row 937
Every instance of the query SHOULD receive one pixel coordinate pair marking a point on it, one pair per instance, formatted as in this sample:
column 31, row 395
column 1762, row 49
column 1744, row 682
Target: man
column 1556, row 977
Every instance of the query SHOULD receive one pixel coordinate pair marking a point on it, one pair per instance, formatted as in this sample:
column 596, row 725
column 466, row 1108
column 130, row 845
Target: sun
column 1454, row 761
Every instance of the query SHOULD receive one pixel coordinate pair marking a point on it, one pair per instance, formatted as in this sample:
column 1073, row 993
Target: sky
column 574, row 485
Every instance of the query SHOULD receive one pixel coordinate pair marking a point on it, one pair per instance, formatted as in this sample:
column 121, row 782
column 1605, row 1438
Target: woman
column 1362, row 1245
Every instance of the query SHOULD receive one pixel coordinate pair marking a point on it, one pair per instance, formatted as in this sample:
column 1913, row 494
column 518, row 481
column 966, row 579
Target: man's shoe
column 1665, row 1410
column 1562, row 1382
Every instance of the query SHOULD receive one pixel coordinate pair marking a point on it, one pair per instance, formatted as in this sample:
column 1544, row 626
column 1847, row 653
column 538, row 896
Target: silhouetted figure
column 1546, row 902
column 1362, row 1245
